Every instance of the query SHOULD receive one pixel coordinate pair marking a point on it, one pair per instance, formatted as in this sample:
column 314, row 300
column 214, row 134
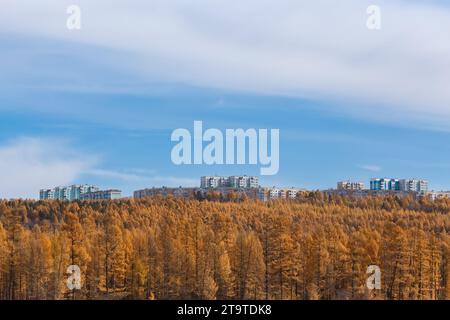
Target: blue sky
column 98, row 105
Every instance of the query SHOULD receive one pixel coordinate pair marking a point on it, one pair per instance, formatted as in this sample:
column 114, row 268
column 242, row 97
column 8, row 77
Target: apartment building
column 68, row 193
column 436, row 195
column 266, row 194
column 384, row 184
column 164, row 192
column 212, row 182
column 235, row 182
column 111, row 194
column 45, row 194
column 350, row 185
column 414, row 185
column 404, row 185
column 243, row 182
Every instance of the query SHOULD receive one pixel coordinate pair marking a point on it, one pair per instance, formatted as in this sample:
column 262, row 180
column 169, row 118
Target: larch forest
column 314, row 247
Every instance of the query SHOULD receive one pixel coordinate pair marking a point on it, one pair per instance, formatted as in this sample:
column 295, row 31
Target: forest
column 314, row 247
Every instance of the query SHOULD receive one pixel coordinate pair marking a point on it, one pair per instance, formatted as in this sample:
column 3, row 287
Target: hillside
column 311, row 248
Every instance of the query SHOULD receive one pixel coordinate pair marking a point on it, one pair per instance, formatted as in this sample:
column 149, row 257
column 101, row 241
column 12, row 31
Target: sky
column 98, row 105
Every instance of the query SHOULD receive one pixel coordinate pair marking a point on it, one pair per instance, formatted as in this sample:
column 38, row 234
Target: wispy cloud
column 29, row 164
column 290, row 47
column 369, row 167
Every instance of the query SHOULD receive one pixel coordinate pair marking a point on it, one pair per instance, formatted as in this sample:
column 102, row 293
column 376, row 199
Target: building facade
column 403, row 185
column 212, row 182
column 350, row 185
column 384, row 184
column 102, row 195
column 197, row 193
column 223, row 188
column 266, row 194
column 45, row 194
column 436, row 195
column 414, row 185
column 235, row 182
column 69, row 193
column 164, row 192
column 243, row 182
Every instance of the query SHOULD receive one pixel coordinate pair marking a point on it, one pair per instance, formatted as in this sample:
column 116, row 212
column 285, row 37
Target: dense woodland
column 315, row 247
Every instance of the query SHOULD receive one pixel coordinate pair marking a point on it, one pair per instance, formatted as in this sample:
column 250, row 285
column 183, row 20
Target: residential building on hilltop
column 414, row 185
column 436, row 195
column 384, row 184
column 405, row 185
column 164, row 192
column 236, row 182
column 69, row 193
column 266, row 194
column 350, row 185
column 111, row 194
column 243, row 182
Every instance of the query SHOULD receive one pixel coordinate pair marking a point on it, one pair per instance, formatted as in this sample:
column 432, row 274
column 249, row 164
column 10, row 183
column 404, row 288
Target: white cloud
column 315, row 49
column 29, row 164
column 369, row 167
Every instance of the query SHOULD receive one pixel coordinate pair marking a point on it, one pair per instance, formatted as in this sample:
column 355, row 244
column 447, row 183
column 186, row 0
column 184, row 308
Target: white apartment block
column 436, row 195
column 350, row 185
column 165, row 192
column 236, row 182
column 212, row 182
column 266, row 194
column 69, row 193
column 291, row 193
column 102, row 195
column 414, row 185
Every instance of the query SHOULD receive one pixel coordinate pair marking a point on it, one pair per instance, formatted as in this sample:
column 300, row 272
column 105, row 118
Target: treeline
column 316, row 247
